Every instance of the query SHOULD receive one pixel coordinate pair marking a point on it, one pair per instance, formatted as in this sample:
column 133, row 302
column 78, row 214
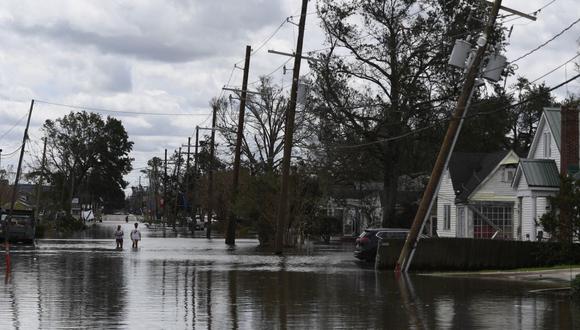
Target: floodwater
column 175, row 281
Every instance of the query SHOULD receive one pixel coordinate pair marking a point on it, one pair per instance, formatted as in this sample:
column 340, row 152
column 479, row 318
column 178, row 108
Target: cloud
column 174, row 31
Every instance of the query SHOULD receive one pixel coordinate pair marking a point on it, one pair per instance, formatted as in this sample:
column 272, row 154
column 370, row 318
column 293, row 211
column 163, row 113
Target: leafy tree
column 385, row 75
column 485, row 128
column 564, row 216
column 86, row 157
column 524, row 118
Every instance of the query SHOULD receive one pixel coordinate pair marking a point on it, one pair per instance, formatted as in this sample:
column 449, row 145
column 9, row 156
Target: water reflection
column 181, row 282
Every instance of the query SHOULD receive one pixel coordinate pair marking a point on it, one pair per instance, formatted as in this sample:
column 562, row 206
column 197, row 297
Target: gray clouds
column 173, row 56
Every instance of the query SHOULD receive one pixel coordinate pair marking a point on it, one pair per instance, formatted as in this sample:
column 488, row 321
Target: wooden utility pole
column 231, row 227
column 288, row 136
column 15, row 190
column 178, row 167
column 40, row 181
column 140, row 196
column 210, row 174
column 165, row 189
column 196, row 176
column 186, row 199
column 155, row 188
column 446, row 148
column 1, row 179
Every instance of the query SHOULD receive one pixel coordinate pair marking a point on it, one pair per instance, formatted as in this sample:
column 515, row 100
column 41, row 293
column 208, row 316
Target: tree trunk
column 390, row 186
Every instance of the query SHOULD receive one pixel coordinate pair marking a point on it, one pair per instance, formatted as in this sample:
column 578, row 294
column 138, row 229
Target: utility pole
column 140, row 196
column 165, row 189
column 231, row 227
column 196, row 175
column 210, row 175
column 15, row 191
column 288, row 136
column 175, row 211
column 155, row 188
column 1, row 179
column 186, row 199
column 40, row 181
column 446, row 147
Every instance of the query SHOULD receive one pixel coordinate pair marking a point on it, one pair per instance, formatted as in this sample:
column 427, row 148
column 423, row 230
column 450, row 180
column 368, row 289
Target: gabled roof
column 552, row 118
column 468, row 170
column 538, row 173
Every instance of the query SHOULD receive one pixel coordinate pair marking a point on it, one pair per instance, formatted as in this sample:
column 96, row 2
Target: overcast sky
column 173, row 56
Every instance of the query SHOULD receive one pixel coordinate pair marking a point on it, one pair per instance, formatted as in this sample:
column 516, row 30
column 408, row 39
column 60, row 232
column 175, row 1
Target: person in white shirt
column 119, row 237
column 135, row 236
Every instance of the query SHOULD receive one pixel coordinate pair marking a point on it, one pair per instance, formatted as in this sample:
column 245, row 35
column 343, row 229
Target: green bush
column 40, row 230
column 324, row 227
column 575, row 285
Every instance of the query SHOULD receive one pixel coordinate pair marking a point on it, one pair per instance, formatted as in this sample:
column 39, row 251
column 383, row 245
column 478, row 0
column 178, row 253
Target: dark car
column 22, row 226
column 368, row 241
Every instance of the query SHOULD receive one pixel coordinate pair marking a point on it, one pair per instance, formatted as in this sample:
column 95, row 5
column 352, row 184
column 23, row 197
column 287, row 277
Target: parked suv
column 368, row 241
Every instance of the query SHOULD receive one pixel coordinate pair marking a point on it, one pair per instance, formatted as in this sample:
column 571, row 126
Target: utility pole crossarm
column 512, row 11
column 239, row 90
column 271, row 51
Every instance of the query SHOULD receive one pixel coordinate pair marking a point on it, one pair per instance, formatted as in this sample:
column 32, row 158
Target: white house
column 475, row 197
column 554, row 151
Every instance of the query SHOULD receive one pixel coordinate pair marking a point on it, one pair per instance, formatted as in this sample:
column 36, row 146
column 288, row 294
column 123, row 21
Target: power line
column 271, row 73
column 556, row 68
column 118, row 111
column 8, row 155
column 547, row 42
column 13, row 126
column 270, row 37
column 418, row 130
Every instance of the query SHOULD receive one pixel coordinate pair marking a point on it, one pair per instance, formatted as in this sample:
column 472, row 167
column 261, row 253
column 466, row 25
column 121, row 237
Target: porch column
column 534, row 216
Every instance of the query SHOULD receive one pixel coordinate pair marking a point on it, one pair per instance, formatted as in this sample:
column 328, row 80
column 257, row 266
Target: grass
column 515, row 270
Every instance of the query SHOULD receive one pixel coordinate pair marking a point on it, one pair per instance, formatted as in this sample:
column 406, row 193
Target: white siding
column 523, row 184
column 527, row 218
column 445, row 196
column 495, row 189
column 538, row 153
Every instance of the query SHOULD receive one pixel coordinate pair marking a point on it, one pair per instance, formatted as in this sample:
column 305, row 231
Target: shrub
column 575, row 285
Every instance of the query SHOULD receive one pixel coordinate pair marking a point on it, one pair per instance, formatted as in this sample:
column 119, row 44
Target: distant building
column 358, row 204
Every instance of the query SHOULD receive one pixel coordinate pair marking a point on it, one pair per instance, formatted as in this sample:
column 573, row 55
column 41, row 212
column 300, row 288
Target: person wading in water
column 135, row 236
column 119, row 237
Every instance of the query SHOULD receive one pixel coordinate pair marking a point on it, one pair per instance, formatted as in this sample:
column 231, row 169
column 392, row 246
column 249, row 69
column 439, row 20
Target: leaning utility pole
column 288, row 136
column 231, row 227
column 40, row 181
column 15, row 190
column 210, row 174
column 446, row 147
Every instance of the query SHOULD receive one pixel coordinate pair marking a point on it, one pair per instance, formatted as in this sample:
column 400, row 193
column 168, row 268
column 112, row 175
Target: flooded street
column 174, row 281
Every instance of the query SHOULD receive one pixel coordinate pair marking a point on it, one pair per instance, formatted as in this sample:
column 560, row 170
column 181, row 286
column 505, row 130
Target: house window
column 446, row 217
column 493, row 220
column 508, row 174
column 460, row 227
column 547, row 145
